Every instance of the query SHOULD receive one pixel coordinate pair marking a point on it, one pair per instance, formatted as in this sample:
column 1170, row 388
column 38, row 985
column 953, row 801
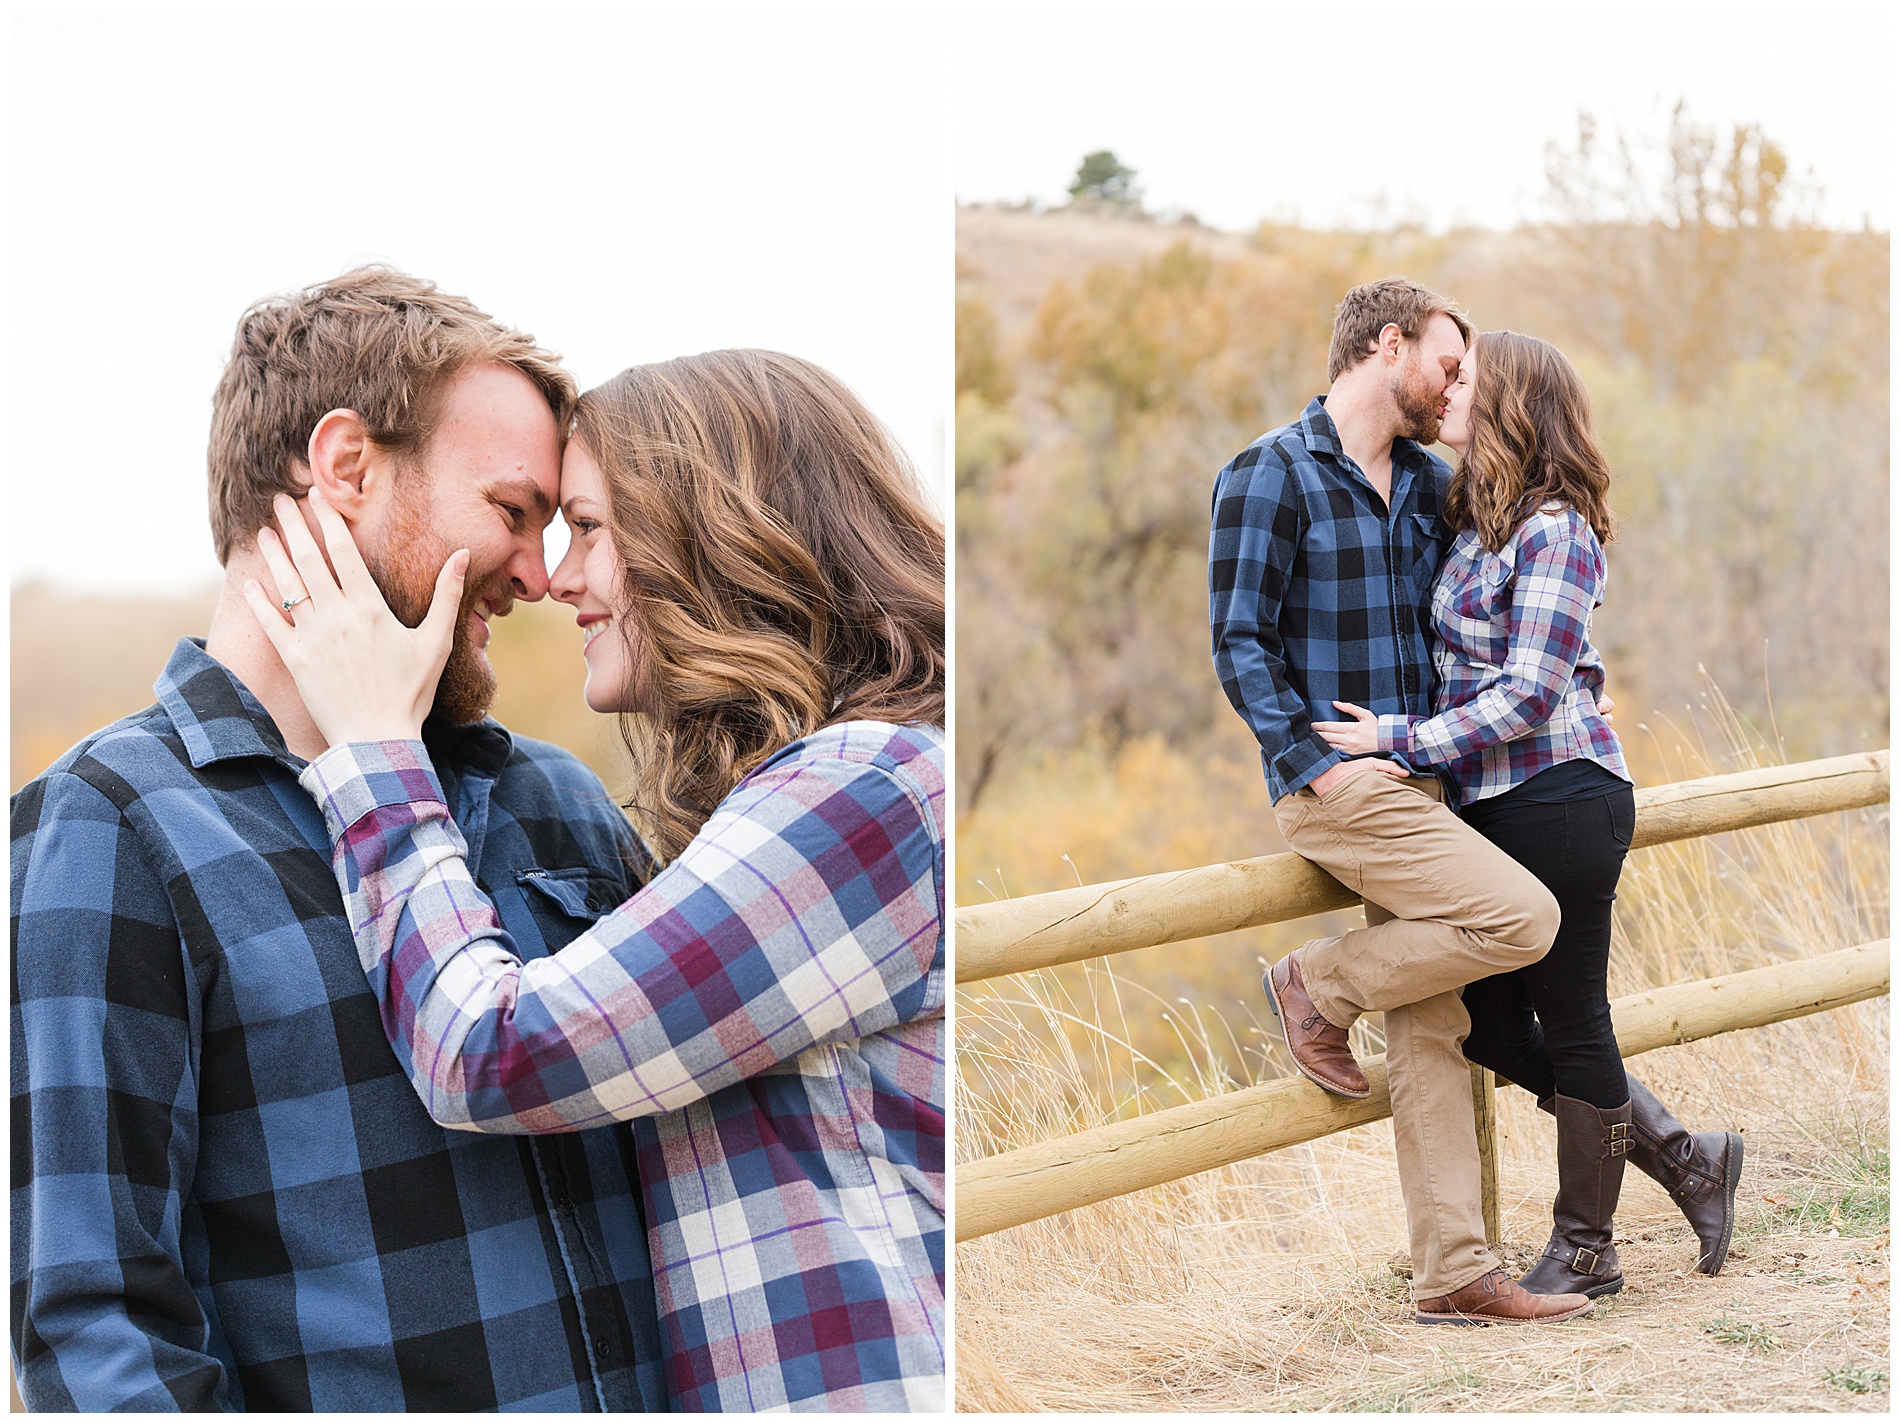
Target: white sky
column 631, row 186
column 1313, row 111
column 628, row 187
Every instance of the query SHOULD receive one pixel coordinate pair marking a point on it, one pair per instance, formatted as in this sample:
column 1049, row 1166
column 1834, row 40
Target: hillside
column 1013, row 257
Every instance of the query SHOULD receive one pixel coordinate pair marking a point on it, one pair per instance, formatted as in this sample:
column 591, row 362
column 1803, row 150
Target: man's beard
column 406, row 571
column 1419, row 405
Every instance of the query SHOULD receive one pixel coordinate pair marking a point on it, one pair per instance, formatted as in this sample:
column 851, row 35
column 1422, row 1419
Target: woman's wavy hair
column 783, row 569
column 1532, row 443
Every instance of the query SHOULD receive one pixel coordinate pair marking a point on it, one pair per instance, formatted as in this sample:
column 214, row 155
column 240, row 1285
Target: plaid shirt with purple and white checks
column 1518, row 680
column 769, row 1013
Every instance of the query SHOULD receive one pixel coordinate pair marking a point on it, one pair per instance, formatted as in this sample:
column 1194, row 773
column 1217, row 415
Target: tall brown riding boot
column 1591, row 1145
column 1700, row 1170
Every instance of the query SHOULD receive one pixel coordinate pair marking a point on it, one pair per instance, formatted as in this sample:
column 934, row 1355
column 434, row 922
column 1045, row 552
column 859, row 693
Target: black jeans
column 1546, row 1027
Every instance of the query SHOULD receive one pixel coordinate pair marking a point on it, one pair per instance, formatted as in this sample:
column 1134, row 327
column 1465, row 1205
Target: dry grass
column 1278, row 1283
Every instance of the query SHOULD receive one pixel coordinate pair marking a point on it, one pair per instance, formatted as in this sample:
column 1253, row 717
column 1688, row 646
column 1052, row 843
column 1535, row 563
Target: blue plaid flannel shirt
column 1317, row 593
column 225, row 1192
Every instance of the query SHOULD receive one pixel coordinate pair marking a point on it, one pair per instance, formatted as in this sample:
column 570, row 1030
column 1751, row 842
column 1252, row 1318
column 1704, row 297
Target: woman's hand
column 1356, row 737
column 361, row 673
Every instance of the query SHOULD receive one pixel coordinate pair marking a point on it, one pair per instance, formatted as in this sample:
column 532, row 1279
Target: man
column 226, row 1194
column 1325, row 542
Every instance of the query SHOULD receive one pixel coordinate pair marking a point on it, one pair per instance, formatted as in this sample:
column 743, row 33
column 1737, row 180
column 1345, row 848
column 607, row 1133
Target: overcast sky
column 628, row 187
column 1318, row 112
column 632, row 186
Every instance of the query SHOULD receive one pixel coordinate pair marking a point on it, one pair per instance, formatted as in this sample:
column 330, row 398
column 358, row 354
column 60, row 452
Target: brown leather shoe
column 1496, row 1298
column 1320, row 1050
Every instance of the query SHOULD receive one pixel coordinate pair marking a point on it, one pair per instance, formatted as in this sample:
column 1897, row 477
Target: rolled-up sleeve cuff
column 351, row 780
column 1306, row 759
column 1395, row 734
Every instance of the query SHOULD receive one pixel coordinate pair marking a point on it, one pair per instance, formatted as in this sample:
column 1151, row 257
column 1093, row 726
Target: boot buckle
column 1579, row 1266
column 1619, row 1138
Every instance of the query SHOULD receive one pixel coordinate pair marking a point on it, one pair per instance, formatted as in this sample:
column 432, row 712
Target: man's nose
column 529, row 571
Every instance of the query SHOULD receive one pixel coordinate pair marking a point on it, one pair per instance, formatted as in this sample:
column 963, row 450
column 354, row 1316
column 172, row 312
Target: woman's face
column 591, row 580
column 1455, row 429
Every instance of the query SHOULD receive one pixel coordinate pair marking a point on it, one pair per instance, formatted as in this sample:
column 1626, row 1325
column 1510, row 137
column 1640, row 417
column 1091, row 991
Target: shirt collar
column 1322, row 437
column 218, row 719
column 482, row 747
column 1318, row 430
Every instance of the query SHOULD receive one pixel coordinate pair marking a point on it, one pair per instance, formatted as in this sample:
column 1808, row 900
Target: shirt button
column 603, row 1350
column 564, row 1206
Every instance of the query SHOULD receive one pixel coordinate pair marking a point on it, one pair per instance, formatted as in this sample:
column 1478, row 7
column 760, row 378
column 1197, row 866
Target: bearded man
column 1326, row 539
column 226, row 1194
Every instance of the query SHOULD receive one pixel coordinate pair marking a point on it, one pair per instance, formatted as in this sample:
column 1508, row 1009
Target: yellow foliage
column 980, row 367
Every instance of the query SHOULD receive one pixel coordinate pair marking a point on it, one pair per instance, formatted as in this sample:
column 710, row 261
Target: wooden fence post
column 1484, row 1106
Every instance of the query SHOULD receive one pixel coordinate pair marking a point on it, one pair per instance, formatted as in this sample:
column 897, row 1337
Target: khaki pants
column 1444, row 906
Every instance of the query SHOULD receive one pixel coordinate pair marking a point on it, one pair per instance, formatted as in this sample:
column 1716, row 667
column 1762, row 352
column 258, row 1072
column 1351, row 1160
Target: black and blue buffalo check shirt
column 1319, row 591
column 225, row 1191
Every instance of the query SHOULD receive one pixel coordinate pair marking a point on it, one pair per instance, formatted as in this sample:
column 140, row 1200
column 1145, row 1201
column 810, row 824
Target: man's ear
column 345, row 463
column 1391, row 342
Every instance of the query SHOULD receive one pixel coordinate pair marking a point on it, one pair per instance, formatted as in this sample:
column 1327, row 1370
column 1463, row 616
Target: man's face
column 488, row 481
column 1420, row 383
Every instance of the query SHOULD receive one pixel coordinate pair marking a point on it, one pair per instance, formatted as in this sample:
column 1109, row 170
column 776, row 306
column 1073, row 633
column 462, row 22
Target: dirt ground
column 1224, row 1296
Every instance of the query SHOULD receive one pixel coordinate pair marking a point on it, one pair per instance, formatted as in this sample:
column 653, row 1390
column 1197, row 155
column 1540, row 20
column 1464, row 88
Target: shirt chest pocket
column 1483, row 595
column 565, row 904
column 1427, row 537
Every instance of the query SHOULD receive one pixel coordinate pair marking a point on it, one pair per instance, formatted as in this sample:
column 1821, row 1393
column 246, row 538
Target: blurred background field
column 78, row 663
column 1109, row 361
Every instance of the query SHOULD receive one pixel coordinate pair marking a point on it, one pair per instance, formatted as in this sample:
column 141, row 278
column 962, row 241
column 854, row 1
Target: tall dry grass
column 1279, row 1283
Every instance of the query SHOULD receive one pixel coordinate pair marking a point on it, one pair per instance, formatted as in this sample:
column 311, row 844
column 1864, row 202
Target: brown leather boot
column 1581, row 1258
column 1319, row 1049
column 1700, row 1170
column 1496, row 1298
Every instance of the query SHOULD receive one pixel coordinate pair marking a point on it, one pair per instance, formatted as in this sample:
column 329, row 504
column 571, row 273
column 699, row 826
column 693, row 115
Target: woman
column 761, row 592
column 1541, row 775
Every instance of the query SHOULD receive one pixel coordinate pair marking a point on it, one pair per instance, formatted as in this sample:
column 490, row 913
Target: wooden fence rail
column 1043, row 930
column 1039, row 931
column 1015, row 1187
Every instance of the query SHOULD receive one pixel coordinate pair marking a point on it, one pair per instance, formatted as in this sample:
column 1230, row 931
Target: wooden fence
column 1039, row 931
